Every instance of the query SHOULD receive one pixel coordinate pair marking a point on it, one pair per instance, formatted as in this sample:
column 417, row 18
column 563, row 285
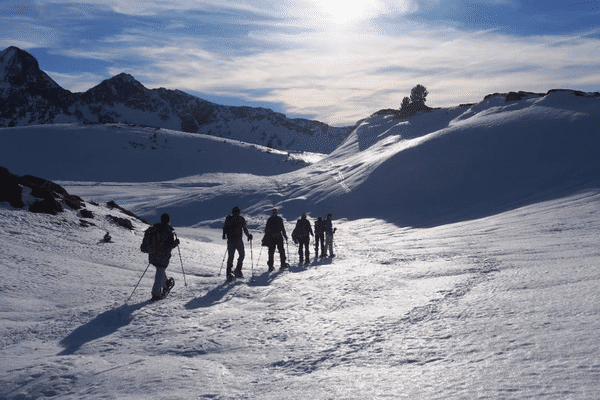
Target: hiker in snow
column 301, row 236
column 274, row 235
column 233, row 229
column 166, row 242
column 320, row 236
column 329, row 231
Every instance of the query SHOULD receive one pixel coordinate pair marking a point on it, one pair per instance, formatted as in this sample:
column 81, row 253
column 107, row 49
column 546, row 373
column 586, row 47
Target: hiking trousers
column 276, row 242
column 160, row 281
column 232, row 246
column 329, row 244
column 303, row 243
column 320, row 238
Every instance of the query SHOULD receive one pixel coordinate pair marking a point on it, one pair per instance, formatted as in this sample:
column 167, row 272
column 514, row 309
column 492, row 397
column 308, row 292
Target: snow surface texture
column 498, row 299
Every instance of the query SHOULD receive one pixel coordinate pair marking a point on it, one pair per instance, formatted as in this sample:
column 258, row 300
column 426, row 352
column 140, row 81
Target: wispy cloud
column 338, row 61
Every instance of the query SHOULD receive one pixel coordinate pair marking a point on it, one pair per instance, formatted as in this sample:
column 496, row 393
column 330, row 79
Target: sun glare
column 343, row 12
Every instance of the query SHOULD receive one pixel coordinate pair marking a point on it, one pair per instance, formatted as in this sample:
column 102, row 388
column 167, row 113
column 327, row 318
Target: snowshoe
column 284, row 267
column 238, row 273
column 167, row 289
column 230, row 278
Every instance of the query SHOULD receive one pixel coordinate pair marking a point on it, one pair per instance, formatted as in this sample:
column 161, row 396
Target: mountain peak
column 126, row 78
column 120, row 88
column 18, row 66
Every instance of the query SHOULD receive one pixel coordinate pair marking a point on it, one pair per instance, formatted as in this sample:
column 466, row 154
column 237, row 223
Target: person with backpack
column 301, row 236
column 329, row 231
column 320, row 236
column 233, row 229
column 274, row 235
column 158, row 242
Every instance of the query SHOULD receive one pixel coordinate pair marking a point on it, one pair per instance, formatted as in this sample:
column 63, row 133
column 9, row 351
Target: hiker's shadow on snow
column 265, row 279
column 103, row 325
column 213, row 297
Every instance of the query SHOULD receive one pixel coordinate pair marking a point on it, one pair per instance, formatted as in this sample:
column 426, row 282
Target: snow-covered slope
column 502, row 307
column 459, row 162
column 442, row 166
column 122, row 153
column 29, row 96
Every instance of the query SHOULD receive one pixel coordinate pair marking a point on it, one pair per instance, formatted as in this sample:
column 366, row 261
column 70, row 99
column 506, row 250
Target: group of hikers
column 234, row 228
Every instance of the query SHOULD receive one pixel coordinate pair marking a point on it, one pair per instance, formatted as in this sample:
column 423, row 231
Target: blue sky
column 331, row 60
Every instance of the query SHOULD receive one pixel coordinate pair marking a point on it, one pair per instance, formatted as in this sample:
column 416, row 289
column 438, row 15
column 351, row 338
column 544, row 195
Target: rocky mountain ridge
column 30, row 96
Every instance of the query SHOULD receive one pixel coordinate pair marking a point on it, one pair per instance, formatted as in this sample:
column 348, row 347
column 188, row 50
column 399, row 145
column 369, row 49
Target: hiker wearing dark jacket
column 320, row 236
column 301, row 236
column 233, row 230
column 274, row 235
column 167, row 242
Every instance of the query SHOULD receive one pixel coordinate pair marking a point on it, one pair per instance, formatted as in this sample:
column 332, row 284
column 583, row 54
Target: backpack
column 151, row 242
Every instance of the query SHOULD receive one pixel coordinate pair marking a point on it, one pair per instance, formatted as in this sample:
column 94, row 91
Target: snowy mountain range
column 28, row 96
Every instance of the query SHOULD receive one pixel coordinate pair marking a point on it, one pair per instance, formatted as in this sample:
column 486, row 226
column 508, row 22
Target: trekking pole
column 222, row 262
column 182, row 270
column 251, row 260
column 259, row 254
column 138, row 283
column 297, row 251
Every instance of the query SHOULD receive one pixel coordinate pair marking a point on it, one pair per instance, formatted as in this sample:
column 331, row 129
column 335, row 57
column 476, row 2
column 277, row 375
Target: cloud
column 26, row 33
column 341, row 82
column 301, row 55
column 76, row 82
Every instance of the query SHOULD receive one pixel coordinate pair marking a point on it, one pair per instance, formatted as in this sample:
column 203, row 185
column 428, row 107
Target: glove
column 176, row 242
column 250, row 237
column 224, row 237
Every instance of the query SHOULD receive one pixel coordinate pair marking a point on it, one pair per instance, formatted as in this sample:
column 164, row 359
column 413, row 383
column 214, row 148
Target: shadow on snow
column 216, row 295
column 103, row 325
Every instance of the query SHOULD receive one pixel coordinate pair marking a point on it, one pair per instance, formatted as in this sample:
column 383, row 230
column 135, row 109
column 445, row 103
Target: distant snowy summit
column 28, row 96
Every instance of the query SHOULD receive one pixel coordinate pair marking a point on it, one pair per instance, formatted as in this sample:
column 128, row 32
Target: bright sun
column 347, row 11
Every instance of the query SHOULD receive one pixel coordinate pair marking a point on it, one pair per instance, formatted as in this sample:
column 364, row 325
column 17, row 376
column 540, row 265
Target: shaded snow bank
column 490, row 157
